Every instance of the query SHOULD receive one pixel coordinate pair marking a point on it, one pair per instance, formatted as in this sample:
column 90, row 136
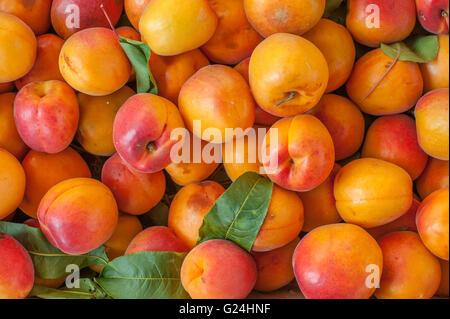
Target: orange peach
column 435, row 73
column 443, row 288
column 134, row 10
column 34, row 13
column 6, row 87
column 410, row 271
column 434, row 177
column 157, row 238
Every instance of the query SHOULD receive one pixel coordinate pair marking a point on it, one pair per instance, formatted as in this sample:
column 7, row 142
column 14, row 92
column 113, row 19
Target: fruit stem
column 102, row 7
column 289, row 98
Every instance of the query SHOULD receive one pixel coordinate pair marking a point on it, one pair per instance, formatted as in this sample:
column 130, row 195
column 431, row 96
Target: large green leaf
column 421, row 49
column 239, row 213
column 144, row 275
column 88, row 290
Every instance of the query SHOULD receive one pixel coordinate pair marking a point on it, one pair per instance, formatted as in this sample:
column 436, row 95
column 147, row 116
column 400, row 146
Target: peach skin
column 434, row 177
column 156, row 238
column 443, row 288
column 435, row 73
column 134, row 10
column 6, row 87
column 34, row 13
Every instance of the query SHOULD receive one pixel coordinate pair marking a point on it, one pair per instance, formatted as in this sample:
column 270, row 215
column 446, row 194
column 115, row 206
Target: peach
column 432, row 223
column 18, row 47
column 43, row 171
column 338, row 48
column 435, row 73
column 288, row 75
column 218, row 269
column 279, row 16
column 234, row 39
column 16, row 269
column 9, row 137
column 344, row 121
column 302, row 155
column 46, row 115
column 93, row 62
column 372, row 22
column 275, row 267
column 371, row 192
column 12, row 183
column 6, row 87
column 78, row 208
column 134, row 10
column 433, row 123
column 70, row 16
column 172, row 27
column 393, row 139
column 219, row 98
column 46, row 66
column 410, row 271
column 136, row 193
column 34, row 13
column 443, row 288
column 335, row 262
column 9, row 218
column 433, row 15
column 434, row 177
column 171, row 72
column 320, row 205
column 189, row 206
column 97, row 114
column 157, row 238
column 142, row 132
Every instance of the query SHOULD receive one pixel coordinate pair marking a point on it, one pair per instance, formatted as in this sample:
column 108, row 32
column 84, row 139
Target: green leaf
column 239, row 213
column 88, row 290
column 421, row 49
column 49, row 262
column 336, row 11
column 157, row 216
column 144, row 275
column 139, row 54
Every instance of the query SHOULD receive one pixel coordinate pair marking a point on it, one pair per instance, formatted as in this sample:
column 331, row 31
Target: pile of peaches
column 356, row 91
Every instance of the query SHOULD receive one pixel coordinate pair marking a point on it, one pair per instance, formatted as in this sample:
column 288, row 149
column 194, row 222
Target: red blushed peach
column 275, row 267
column 433, row 15
column 433, row 123
column 78, row 208
column 142, row 132
column 372, row 22
column 6, row 87
column 432, row 223
column 344, row 121
column 302, row 156
column 46, row 66
column 70, row 16
column 394, row 139
column 46, row 115
column 336, row 261
column 218, row 269
column 35, row 13
column 443, row 288
column 134, row 10
column 434, row 177
column 435, row 73
column 319, row 204
column 157, row 238
column 136, row 193
column 410, row 271
column 16, row 269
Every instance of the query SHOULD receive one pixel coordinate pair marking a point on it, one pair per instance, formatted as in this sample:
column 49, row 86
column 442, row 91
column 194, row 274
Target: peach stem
column 289, row 98
column 109, row 20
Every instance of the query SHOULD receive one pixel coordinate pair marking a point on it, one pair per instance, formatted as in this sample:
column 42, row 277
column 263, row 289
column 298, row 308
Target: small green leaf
column 88, row 290
column 139, row 54
column 420, row 50
column 240, row 212
column 157, row 216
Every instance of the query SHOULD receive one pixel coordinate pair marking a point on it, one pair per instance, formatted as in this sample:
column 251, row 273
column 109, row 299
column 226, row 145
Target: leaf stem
column 289, row 98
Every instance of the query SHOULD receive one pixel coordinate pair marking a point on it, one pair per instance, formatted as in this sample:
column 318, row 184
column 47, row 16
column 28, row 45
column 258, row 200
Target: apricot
column 302, row 156
column 288, row 75
column 189, row 206
column 10, row 139
column 393, row 139
column 335, row 262
column 134, row 10
column 338, row 48
column 16, row 269
column 93, row 62
column 46, row 115
column 410, row 271
column 371, row 192
column 172, row 27
column 279, row 16
column 6, row 87
column 432, row 120
column 171, row 72
column 443, row 288
column 432, row 223
column 70, row 16
column 275, row 267
column 234, row 39
column 18, row 47
column 344, row 121
column 397, row 92
column 435, row 73
column 219, row 98
column 156, row 238
column 97, row 114
column 75, row 209
column 43, row 171
column 136, row 193
column 218, row 269
column 434, row 177
column 35, row 14
column 319, row 204
column 12, row 183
